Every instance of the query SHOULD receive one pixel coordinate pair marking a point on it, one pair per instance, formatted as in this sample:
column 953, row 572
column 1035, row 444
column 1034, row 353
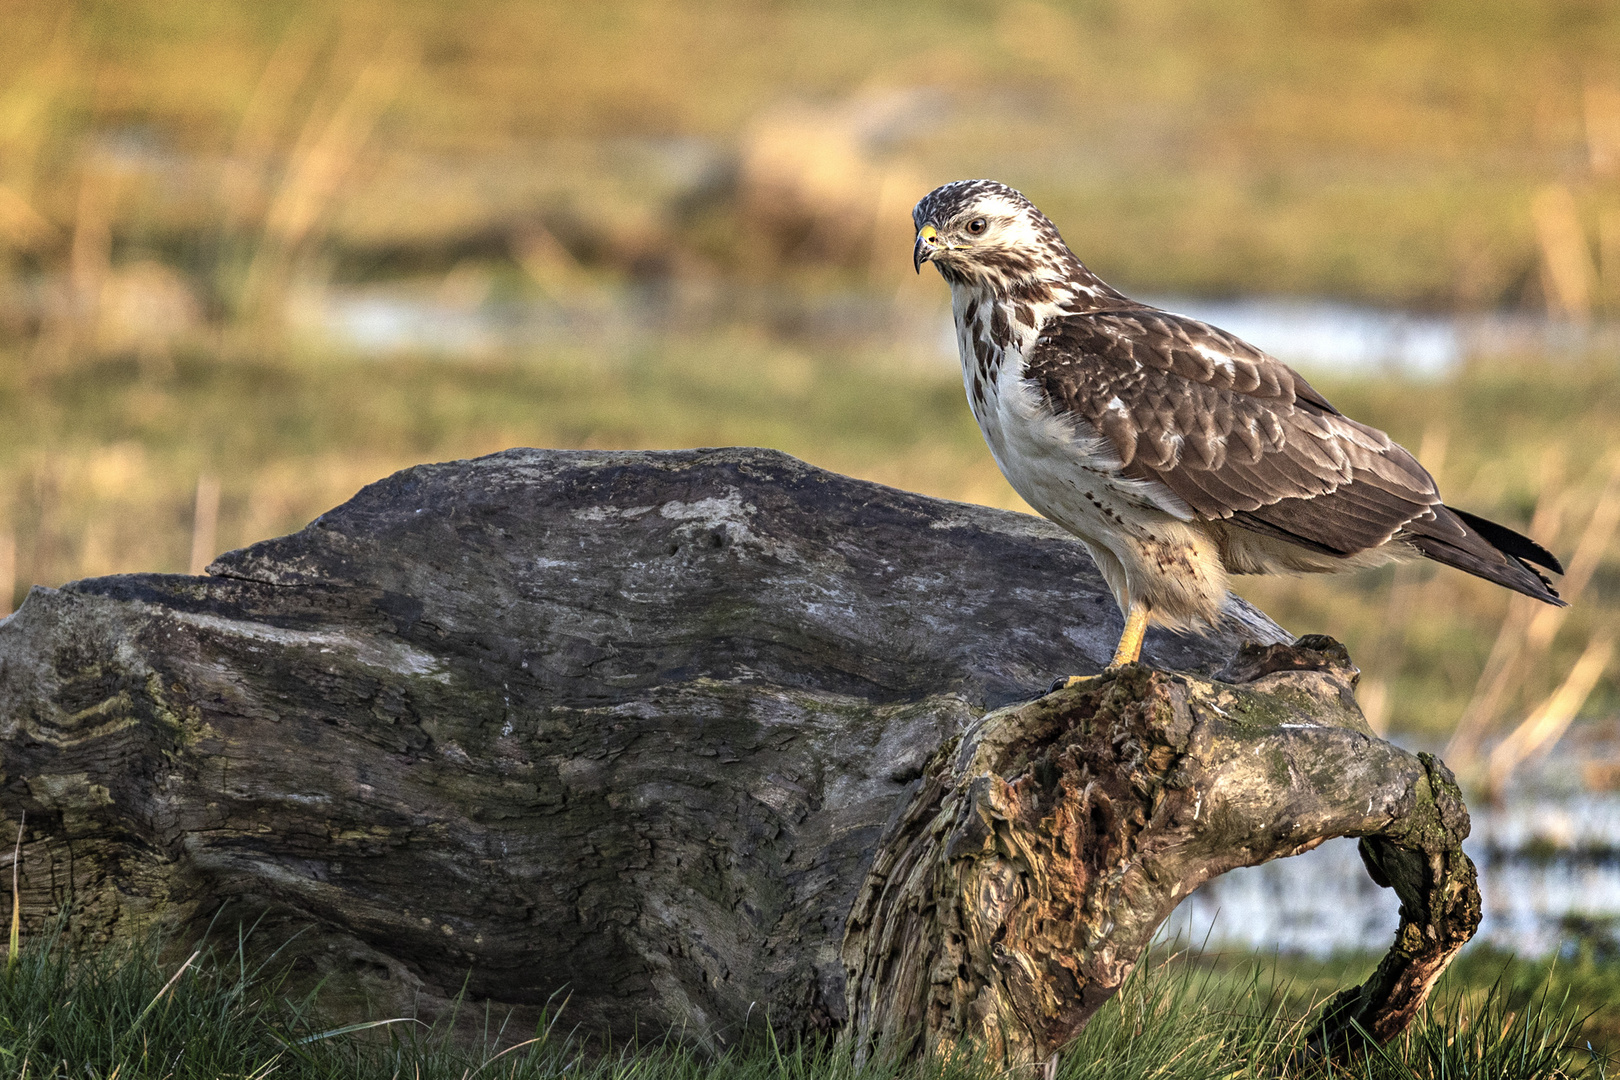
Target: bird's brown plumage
column 1238, row 435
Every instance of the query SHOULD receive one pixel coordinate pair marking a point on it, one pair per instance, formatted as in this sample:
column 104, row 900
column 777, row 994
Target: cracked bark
column 692, row 737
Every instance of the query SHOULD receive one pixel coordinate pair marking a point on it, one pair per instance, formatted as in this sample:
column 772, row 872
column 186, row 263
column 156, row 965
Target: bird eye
column 977, row 226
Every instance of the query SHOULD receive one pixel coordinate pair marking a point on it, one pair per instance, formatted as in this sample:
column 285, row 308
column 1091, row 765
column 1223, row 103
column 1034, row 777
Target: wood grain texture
column 636, row 728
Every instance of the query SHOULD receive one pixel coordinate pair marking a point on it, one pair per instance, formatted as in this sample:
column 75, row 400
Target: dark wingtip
column 1551, row 596
column 1488, row 550
column 1509, row 542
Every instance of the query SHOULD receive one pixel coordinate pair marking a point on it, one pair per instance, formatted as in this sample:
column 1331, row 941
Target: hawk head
column 983, row 233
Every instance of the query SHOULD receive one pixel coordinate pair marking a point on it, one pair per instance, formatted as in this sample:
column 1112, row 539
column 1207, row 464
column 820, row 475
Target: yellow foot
column 1129, row 650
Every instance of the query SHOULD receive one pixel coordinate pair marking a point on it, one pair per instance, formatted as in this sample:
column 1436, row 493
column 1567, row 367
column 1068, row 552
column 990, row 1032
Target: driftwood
column 693, row 737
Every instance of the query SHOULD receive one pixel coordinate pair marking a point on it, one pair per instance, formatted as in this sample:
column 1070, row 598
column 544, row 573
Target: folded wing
column 1237, row 435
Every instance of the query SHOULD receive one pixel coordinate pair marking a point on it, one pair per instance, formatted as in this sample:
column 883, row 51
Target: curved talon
column 1069, row 680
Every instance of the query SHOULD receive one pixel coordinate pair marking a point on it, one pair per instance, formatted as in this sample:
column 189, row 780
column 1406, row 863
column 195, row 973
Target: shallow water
column 1317, row 335
column 1314, row 335
column 1549, row 873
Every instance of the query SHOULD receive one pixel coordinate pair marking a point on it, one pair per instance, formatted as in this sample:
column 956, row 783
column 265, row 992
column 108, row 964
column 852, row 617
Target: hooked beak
column 927, row 244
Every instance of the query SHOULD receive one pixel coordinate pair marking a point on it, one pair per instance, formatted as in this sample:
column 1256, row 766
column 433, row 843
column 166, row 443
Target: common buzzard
column 1176, row 452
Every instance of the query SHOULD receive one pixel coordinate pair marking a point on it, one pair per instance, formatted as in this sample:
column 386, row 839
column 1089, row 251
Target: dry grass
column 1359, row 149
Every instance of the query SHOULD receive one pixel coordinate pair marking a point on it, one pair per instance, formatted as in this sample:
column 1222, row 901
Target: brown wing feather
column 1233, row 433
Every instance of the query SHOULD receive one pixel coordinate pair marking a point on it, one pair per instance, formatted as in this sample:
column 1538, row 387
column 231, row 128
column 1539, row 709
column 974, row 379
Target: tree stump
column 692, row 737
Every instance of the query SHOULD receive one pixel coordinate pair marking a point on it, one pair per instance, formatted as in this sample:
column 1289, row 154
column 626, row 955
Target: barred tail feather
column 1509, row 542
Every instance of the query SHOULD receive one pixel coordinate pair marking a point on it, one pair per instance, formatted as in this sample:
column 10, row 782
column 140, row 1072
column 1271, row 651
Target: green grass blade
column 15, row 941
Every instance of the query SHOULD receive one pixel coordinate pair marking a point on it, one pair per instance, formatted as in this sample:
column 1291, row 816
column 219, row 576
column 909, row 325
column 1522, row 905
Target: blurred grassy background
column 709, row 205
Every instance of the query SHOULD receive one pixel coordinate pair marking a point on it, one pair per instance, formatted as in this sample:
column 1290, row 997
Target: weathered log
column 1040, row 856
column 694, row 736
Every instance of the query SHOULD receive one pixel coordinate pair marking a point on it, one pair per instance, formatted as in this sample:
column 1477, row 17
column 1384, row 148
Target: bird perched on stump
column 1177, row 452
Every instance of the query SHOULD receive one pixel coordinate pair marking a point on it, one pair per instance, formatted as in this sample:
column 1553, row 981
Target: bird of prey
column 1175, row 451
